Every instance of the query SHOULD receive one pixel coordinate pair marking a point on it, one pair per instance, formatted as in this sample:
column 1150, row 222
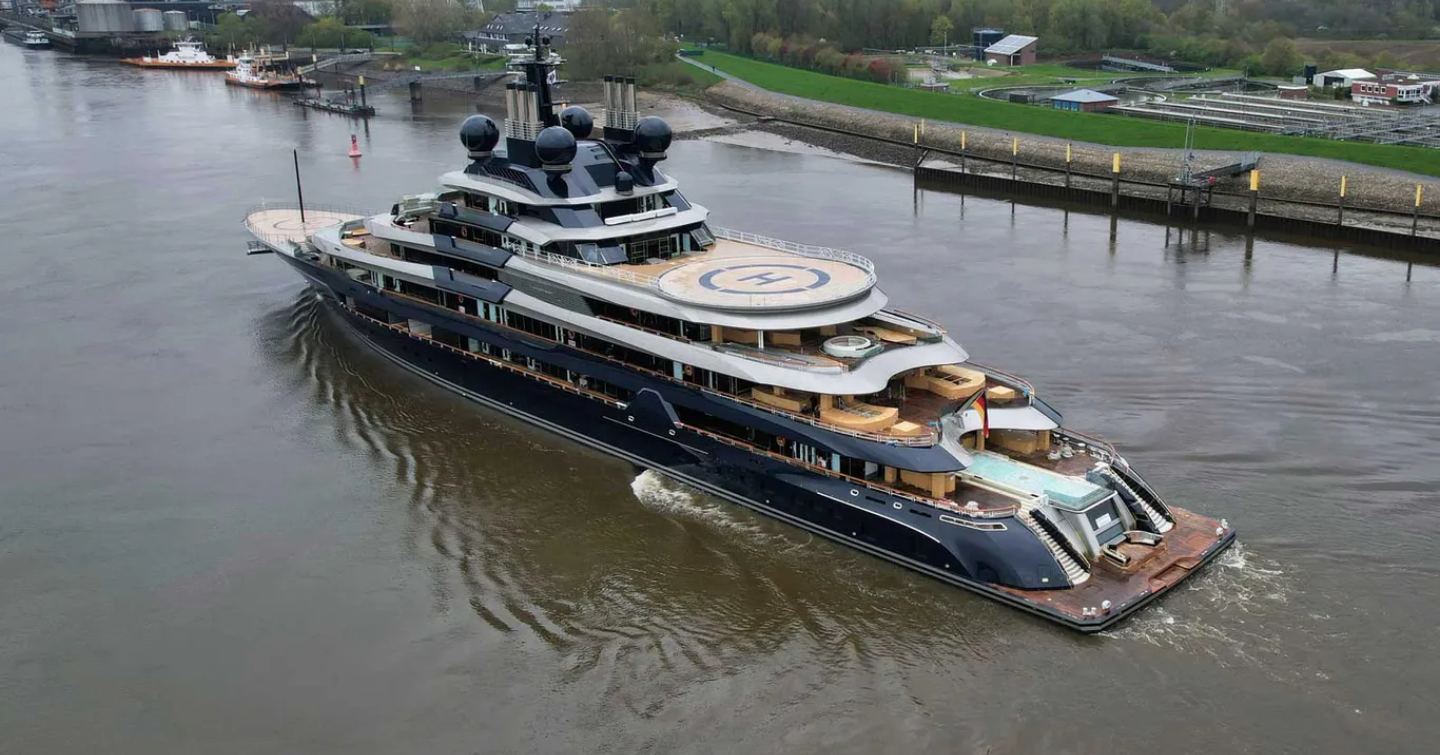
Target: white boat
column 188, row 53
column 36, row 40
column 249, row 72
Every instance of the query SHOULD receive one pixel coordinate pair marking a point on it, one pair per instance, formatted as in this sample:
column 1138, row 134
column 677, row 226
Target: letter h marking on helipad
column 765, row 279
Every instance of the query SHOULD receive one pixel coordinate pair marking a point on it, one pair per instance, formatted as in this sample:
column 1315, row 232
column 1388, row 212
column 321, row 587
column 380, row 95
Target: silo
column 176, row 20
column 103, row 16
column 149, row 19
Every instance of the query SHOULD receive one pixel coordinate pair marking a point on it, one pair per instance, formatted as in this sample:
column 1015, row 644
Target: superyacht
column 567, row 281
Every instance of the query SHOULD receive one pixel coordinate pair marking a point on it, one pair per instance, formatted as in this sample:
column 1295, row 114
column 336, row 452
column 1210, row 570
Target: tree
column 1281, row 57
column 427, row 21
column 940, row 30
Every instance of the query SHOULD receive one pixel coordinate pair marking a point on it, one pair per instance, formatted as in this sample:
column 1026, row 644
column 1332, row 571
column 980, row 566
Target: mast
column 540, row 73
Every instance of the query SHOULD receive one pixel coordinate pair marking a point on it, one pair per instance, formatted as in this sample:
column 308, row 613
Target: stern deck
column 1153, row 571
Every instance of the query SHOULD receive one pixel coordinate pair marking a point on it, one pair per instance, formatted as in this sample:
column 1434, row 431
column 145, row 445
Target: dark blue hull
column 644, row 431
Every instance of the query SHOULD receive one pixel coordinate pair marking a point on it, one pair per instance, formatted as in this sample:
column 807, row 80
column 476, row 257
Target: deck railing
column 803, row 250
column 287, row 240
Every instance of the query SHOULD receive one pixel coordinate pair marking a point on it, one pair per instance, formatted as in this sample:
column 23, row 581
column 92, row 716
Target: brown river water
column 227, row 527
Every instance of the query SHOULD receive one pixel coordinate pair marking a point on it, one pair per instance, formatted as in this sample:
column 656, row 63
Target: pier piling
column 1254, row 198
column 1115, row 182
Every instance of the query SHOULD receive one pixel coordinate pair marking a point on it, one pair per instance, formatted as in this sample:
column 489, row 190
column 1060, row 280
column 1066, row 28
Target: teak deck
column 1154, row 571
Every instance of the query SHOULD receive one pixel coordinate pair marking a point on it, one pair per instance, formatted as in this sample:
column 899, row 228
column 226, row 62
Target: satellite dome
column 479, row 134
column 556, row 149
column 652, row 137
column 577, row 121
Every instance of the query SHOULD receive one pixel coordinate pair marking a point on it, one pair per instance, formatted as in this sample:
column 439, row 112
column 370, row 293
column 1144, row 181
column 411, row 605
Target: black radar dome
column 652, row 137
column 556, row 148
column 577, row 121
column 479, row 134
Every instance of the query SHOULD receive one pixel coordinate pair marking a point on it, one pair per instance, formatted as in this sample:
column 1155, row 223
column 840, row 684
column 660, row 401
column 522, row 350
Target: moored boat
column 566, row 280
column 188, row 54
column 258, row 73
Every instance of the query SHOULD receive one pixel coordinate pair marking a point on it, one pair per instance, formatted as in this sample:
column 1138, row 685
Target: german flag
column 984, row 411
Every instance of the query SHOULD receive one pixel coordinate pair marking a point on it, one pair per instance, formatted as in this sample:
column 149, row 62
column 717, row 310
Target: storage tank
column 149, row 19
column 103, row 16
column 176, row 20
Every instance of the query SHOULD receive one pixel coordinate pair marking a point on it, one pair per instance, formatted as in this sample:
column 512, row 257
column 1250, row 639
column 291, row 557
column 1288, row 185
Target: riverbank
column 1042, row 123
column 1284, row 177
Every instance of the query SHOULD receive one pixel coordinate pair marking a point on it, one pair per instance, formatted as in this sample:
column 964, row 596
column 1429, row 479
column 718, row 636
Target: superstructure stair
column 1074, row 571
column 1159, row 521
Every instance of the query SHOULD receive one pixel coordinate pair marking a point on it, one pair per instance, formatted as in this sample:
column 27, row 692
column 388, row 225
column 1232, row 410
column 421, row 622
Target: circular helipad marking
column 763, row 282
column 764, row 278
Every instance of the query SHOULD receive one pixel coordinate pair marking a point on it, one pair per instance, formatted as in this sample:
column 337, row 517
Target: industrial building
column 1396, row 89
column 1084, row 101
column 1013, row 50
column 983, row 37
column 1343, row 77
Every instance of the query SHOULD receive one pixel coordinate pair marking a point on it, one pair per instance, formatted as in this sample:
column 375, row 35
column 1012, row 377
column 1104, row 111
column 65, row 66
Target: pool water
column 1064, row 490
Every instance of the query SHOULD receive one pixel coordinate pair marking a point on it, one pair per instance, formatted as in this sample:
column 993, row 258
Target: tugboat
column 568, row 282
column 35, row 41
column 256, row 72
column 188, row 54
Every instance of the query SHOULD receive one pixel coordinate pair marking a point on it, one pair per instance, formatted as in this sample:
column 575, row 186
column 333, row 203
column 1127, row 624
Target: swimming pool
column 1063, row 490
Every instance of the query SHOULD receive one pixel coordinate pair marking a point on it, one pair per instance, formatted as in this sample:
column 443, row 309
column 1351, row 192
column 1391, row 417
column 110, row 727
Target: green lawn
column 449, row 57
column 1112, row 130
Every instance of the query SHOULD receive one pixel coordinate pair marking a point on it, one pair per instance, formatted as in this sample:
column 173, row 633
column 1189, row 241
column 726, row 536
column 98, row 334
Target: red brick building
column 1014, row 50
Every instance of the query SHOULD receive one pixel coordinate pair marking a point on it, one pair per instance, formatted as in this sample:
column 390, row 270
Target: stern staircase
column 1156, row 519
column 1074, row 570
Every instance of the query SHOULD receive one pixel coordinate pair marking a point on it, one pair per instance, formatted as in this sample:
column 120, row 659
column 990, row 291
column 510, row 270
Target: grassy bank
column 1111, row 130
column 447, row 57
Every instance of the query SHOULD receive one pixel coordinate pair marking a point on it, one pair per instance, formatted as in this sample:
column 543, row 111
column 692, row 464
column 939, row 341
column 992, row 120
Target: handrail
column 803, row 250
column 1093, row 442
column 944, row 504
column 931, row 438
column 287, row 240
column 1005, row 377
column 611, row 271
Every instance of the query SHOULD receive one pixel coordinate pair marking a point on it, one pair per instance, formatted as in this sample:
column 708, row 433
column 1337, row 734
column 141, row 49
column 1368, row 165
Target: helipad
column 768, row 282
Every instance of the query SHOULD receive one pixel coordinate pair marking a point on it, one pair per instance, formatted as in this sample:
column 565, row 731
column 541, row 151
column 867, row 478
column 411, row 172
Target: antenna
column 298, row 191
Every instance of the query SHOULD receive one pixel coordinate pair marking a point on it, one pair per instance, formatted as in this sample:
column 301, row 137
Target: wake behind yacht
column 567, row 281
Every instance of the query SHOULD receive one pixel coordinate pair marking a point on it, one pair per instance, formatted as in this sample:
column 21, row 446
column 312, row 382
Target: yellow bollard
column 1014, row 146
column 1115, row 181
column 1254, row 180
column 1415, row 219
column 962, row 140
column 916, row 135
column 1343, row 181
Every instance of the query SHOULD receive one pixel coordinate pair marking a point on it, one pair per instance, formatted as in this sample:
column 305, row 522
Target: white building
column 563, row 6
column 1343, row 77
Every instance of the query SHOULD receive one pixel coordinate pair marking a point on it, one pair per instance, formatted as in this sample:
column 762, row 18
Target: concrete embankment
column 1300, row 187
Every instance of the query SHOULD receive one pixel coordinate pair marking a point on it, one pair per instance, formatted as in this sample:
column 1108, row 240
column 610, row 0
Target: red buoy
column 354, row 147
